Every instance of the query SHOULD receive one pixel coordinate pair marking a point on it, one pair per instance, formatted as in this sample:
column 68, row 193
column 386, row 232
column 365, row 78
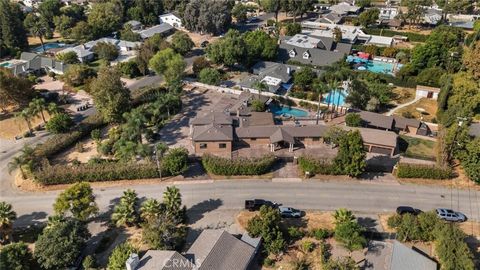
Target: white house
column 388, row 13
column 171, row 19
column 427, row 92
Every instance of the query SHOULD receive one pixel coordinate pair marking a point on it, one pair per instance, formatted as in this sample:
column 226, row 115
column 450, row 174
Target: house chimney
column 132, row 262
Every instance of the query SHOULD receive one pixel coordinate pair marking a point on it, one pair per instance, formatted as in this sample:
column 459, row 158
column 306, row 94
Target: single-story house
column 345, row 8
column 427, row 92
column 172, row 19
column 276, row 76
column 32, row 62
column 332, row 18
column 316, row 51
column 134, row 25
column 84, row 55
column 126, row 46
column 85, row 51
column 164, row 29
column 394, row 123
column 213, row 249
column 404, row 257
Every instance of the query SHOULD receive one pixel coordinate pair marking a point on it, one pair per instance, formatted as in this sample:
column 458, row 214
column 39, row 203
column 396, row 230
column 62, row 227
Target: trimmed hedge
column 242, row 166
column 316, row 166
column 108, row 171
column 405, row 170
column 60, row 142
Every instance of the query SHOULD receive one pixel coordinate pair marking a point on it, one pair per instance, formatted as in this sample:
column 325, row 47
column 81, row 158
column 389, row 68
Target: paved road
column 366, row 198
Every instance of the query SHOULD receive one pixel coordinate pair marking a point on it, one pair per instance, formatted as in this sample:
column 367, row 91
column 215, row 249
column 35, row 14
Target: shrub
column 394, row 221
column 258, row 105
column 60, row 123
column 295, row 233
column 96, row 134
column 175, row 161
column 210, row 76
column 129, row 69
column 316, row 166
column 269, row 262
column 242, row 166
column 320, row 233
column 109, row 171
column 405, row 170
column 307, row 246
column 353, row 120
column 119, row 256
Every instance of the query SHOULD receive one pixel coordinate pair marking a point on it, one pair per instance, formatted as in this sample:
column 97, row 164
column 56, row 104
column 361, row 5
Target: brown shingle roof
column 377, row 120
column 217, row 249
column 267, row 131
column 280, row 135
column 378, row 137
column 212, row 118
column 213, row 132
column 402, row 122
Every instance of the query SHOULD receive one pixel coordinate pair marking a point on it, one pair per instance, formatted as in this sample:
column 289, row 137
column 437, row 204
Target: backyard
column 417, row 148
column 423, row 110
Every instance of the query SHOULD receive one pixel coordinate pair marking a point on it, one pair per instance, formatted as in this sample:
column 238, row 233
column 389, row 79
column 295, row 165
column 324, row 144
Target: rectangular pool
column 374, row 65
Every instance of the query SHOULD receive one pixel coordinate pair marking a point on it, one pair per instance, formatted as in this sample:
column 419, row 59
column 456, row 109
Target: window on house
column 222, row 145
column 203, row 146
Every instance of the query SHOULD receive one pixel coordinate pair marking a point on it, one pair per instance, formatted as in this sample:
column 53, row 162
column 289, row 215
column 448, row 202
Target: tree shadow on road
column 33, row 219
column 197, row 211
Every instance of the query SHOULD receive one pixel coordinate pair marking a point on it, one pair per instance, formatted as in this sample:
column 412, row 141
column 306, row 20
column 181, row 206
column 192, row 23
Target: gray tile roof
column 217, row 249
column 212, row 133
column 164, row 260
column 35, row 62
column 318, row 57
column 212, row 118
column 157, row 29
column 406, row 258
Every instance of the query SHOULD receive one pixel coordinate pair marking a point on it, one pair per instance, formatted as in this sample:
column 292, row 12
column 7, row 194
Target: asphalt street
column 365, row 198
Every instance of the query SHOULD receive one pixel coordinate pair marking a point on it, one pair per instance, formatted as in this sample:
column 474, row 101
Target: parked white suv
column 450, row 215
column 289, row 212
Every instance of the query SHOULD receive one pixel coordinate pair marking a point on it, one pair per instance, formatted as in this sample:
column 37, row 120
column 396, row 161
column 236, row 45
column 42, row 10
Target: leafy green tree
column 89, row 263
column 7, row 216
column 60, row 246
column 13, row 37
column 120, row 255
column 59, row 123
column 147, row 50
column 78, row 74
column 111, row 97
column 105, row 50
column 63, row 24
column 343, row 215
column 175, row 161
column 239, row 12
column 258, row 105
column 266, row 225
column 14, row 90
column 182, row 43
column 49, row 9
column 351, row 155
column 471, row 59
column 105, row 18
column 37, row 107
column 170, row 64
column 24, row 162
column 172, row 199
column 128, row 34
column 368, row 17
column 337, row 35
column 38, row 27
column 16, row 256
column 210, row 76
column 350, row 234
column 206, row 16
column 164, row 233
column 430, row 76
column 271, row 6
column 228, row 50
column 359, row 94
column 81, row 32
column 363, row 3
column 471, row 162
column 79, row 200
column 151, row 209
column 291, row 29
column 68, row 57
column 125, row 213
column 452, row 251
column 129, row 69
column 304, row 77
column 199, row 64
column 26, row 115
column 259, row 45
column 353, row 120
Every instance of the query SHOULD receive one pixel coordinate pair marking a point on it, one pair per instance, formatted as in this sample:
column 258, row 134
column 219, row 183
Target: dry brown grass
column 429, row 105
column 382, row 218
column 312, row 220
column 403, row 95
column 13, row 126
column 89, row 151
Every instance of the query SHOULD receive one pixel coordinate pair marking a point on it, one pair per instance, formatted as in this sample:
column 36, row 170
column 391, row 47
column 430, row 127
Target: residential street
column 364, row 197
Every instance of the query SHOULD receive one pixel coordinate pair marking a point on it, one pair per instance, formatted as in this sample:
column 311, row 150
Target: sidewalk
column 392, row 111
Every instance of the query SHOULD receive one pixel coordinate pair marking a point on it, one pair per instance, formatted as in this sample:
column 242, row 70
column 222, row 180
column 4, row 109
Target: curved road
column 363, row 197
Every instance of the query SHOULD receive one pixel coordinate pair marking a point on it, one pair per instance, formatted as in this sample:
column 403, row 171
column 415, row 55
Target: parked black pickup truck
column 254, row 205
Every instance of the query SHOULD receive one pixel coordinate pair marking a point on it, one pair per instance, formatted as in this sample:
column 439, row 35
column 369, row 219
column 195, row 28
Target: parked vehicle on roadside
column 450, row 215
column 255, row 204
column 288, row 212
column 408, row 210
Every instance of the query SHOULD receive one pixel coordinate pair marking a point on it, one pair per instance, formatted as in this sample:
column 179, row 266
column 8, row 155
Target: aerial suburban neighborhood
column 236, row 134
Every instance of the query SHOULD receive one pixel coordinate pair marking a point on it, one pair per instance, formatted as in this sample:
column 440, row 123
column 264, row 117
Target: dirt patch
column 89, row 150
column 311, row 220
column 425, row 110
column 383, row 218
column 403, row 95
column 13, row 126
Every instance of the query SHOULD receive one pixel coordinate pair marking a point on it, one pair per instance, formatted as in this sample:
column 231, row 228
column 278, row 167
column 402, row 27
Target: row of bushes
column 405, row 170
column 242, row 166
column 61, row 142
column 316, row 165
column 414, row 37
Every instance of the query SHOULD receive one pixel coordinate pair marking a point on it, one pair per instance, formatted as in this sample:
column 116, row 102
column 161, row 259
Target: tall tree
column 126, row 212
column 120, row 255
column 38, row 27
column 111, row 97
column 207, row 16
column 259, row 45
column 173, row 203
column 146, row 11
column 26, row 115
column 170, row 64
column 37, row 106
column 229, row 50
column 182, row 43
column 49, row 9
column 151, row 209
column 78, row 200
column 13, row 37
column 14, row 90
column 7, row 216
column 105, row 18
column 271, row 6
column 16, row 256
column 350, row 159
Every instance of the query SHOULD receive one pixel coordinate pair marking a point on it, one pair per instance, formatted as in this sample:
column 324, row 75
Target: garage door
column 381, row 150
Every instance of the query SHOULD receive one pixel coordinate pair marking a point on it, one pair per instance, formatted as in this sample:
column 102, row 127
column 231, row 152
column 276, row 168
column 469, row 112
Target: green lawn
column 417, row 148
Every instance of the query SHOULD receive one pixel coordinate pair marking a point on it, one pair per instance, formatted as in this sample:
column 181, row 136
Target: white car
column 450, row 215
column 289, row 212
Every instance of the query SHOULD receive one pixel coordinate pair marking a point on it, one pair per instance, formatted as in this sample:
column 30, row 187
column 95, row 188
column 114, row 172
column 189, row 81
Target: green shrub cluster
column 65, row 174
column 405, row 170
column 242, row 166
column 316, row 166
column 60, row 142
column 414, row 37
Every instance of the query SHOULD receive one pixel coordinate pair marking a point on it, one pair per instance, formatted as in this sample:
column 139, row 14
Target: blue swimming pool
column 336, row 98
column 287, row 111
column 48, row 46
column 372, row 65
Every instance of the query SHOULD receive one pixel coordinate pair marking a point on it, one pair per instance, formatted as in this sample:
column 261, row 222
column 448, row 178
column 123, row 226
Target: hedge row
column 65, row 174
column 316, row 166
column 242, row 166
column 415, row 37
column 60, row 142
column 405, row 170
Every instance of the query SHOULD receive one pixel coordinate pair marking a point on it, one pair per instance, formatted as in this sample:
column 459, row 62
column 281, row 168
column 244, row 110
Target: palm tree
column 7, row 216
column 20, row 162
column 38, row 27
column 161, row 149
column 125, row 213
column 26, row 115
column 52, row 108
column 37, row 106
column 17, row 163
column 333, row 87
column 260, row 87
column 135, row 123
column 172, row 200
column 343, row 215
column 150, row 209
column 321, row 89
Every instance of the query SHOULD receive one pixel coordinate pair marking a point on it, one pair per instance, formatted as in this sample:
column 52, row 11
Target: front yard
column 417, row 148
